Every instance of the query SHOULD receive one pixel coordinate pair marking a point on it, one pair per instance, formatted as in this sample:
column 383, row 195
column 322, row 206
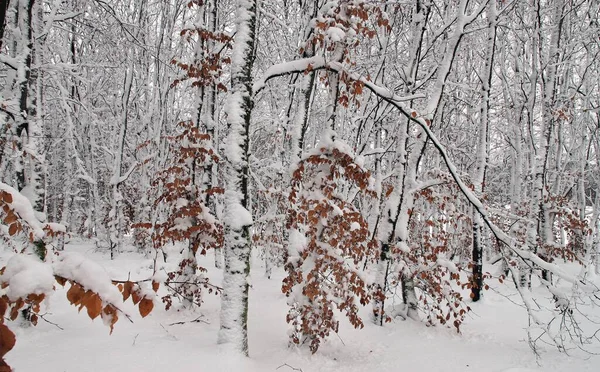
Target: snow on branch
column 90, row 275
column 319, row 63
column 18, row 205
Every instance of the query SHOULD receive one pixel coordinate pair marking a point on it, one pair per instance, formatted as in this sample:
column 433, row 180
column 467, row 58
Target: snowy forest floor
column 492, row 338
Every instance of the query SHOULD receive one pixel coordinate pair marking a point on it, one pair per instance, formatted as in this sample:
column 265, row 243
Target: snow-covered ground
column 492, row 338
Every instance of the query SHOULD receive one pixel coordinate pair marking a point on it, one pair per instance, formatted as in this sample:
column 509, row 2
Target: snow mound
column 25, row 275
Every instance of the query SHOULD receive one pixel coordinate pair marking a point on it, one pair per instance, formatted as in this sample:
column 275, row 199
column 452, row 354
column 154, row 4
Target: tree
column 329, row 240
column 238, row 219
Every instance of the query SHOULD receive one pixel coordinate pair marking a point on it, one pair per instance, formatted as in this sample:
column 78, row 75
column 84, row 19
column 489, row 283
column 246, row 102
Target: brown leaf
column 12, row 229
column 127, row 289
column 4, row 367
column 94, row 306
column 75, row 293
column 10, row 218
column 14, row 313
column 3, row 307
column 7, row 197
column 60, row 280
column 155, row 286
column 146, row 306
column 35, row 298
column 135, row 297
column 7, row 340
column 87, row 297
column 110, row 313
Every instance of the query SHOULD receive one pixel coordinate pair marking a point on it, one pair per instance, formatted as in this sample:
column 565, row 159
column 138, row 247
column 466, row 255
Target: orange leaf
column 60, row 280
column 146, row 306
column 127, row 289
column 14, row 313
column 135, row 296
column 10, row 218
column 110, row 314
column 7, row 197
column 12, row 229
column 94, row 306
column 87, row 296
column 75, row 293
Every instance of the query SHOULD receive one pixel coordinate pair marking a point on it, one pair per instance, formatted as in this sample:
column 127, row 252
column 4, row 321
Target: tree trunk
column 482, row 155
column 237, row 221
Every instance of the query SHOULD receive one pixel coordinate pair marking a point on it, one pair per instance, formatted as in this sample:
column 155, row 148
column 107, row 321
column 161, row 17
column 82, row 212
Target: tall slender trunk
column 548, row 85
column 25, row 46
column 482, row 154
column 116, row 212
column 237, row 221
column 212, row 129
column 395, row 230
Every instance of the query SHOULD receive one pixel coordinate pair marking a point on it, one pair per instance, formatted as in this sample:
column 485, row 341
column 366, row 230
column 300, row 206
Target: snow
column 26, row 274
column 285, row 68
column 492, row 338
column 22, row 206
column 236, row 216
column 233, row 150
column 297, row 242
column 72, row 265
column 447, row 264
column 335, row 34
column 318, row 62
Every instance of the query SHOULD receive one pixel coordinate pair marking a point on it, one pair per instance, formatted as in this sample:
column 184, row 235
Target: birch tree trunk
column 482, row 154
column 396, row 225
column 116, row 212
column 237, row 219
column 542, row 151
column 212, row 129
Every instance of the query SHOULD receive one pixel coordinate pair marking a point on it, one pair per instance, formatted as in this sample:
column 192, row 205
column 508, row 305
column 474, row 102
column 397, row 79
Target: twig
column 197, row 320
column 41, row 316
column 343, row 343
column 287, row 365
column 134, row 339
column 201, row 284
column 127, row 316
column 169, row 333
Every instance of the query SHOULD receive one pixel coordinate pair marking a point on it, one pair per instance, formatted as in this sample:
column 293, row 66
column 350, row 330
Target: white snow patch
column 26, row 274
column 335, row 34
column 236, row 216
